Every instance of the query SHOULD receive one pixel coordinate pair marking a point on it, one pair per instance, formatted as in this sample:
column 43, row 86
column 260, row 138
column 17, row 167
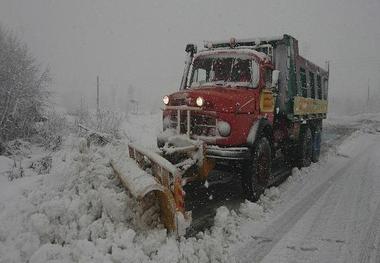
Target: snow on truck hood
column 219, row 99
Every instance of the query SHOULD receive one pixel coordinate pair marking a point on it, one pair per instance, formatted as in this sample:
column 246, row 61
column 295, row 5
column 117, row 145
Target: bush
column 105, row 121
column 23, row 88
column 51, row 130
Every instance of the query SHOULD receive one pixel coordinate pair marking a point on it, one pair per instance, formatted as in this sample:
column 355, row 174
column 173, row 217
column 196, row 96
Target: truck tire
column 305, row 147
column 257, row 170
column 316, row 145
column 289, row 151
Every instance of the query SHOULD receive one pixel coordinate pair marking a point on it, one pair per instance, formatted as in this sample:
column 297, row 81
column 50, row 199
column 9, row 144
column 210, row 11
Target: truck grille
column 178, row 102
column 200, row 125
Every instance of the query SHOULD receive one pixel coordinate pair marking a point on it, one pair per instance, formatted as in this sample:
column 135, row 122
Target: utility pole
column 81, row 109
column 97, row 94
column 368, row 109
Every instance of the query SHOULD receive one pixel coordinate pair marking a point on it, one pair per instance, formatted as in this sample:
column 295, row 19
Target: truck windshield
column 224, row 71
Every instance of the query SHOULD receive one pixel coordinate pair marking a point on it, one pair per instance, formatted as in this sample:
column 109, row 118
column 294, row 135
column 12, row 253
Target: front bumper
column 227, row 153
column 212, row 151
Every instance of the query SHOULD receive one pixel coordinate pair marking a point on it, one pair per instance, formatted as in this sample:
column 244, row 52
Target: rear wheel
column 257, row 170
column 289, row 151
column 305, row 147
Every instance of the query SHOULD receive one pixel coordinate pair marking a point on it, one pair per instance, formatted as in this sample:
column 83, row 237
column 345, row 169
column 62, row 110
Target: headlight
column 200, row 101
column 165, row 99
column 224, row 128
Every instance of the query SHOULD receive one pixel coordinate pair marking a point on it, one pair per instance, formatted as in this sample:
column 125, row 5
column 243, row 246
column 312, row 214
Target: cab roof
column 238, row 51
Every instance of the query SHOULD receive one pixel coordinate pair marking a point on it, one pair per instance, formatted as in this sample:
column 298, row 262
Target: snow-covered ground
column 79, row 212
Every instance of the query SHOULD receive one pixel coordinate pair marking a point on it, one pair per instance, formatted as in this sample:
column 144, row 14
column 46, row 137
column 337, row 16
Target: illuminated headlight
column 165, row 99
column 224, row 128
column 200, row 101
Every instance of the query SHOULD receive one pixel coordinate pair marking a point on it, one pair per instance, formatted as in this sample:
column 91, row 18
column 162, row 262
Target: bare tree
column 23, row 88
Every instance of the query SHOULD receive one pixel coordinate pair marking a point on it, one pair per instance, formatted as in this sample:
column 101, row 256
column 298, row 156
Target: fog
column 139, row 45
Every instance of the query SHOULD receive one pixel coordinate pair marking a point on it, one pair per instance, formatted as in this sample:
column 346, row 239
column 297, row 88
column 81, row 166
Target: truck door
column 266, row 94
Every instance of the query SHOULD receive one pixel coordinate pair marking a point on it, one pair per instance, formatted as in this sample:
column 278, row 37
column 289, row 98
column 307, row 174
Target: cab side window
column 303, row 82
column 325, row 87
column 312, row 84
column 319, row 87
column 268, row 77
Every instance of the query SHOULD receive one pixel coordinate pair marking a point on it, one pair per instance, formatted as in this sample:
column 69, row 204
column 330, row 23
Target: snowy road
column 332, row 217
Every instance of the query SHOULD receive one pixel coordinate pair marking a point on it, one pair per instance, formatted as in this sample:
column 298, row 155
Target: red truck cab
column 228, row 91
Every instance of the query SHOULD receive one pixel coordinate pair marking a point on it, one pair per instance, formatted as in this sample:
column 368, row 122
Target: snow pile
column 18, row 148
column 352, row 121
column 251, row 210
column 143, row 129
column 6, row 165
column 270, row 198
column 80, row 212
column 79, row 200
column 355, row 141
column 27, row 160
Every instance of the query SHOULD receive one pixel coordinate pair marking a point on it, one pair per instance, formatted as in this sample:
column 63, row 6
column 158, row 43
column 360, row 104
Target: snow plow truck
column 242, row 103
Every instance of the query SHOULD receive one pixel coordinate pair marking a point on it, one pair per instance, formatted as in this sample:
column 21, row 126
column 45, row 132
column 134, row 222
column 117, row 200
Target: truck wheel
column 257, row 171
column 305, row 148
column 289, row 151
column 316, row 145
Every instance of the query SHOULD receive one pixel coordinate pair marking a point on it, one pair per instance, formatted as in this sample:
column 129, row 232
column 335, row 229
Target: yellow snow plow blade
column 165, row 182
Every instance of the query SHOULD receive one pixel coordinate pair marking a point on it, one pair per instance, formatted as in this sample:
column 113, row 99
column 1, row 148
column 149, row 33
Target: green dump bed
column 303, row 86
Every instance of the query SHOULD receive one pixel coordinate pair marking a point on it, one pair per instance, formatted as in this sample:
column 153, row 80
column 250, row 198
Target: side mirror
column 275, row 76
column 191, row 48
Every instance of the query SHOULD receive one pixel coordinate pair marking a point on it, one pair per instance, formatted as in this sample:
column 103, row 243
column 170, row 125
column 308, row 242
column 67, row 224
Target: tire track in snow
column 344, row 226
column 257, row 250
column 325, row 209
column 369, row 250
column 368, row 245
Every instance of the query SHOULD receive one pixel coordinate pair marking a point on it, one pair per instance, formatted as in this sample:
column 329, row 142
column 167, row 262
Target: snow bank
column 355, row 120
column 143, row 129
column 6, row 165
column 79, row 200
column 79, row 212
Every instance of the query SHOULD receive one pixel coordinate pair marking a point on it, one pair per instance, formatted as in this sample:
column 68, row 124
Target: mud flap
column 207, row 166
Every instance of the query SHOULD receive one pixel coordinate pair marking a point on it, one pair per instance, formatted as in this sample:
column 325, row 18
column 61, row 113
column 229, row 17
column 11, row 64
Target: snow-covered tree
column 23, row 88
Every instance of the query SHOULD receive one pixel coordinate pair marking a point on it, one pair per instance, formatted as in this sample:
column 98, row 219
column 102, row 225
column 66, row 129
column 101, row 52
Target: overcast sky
column 141, row 43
